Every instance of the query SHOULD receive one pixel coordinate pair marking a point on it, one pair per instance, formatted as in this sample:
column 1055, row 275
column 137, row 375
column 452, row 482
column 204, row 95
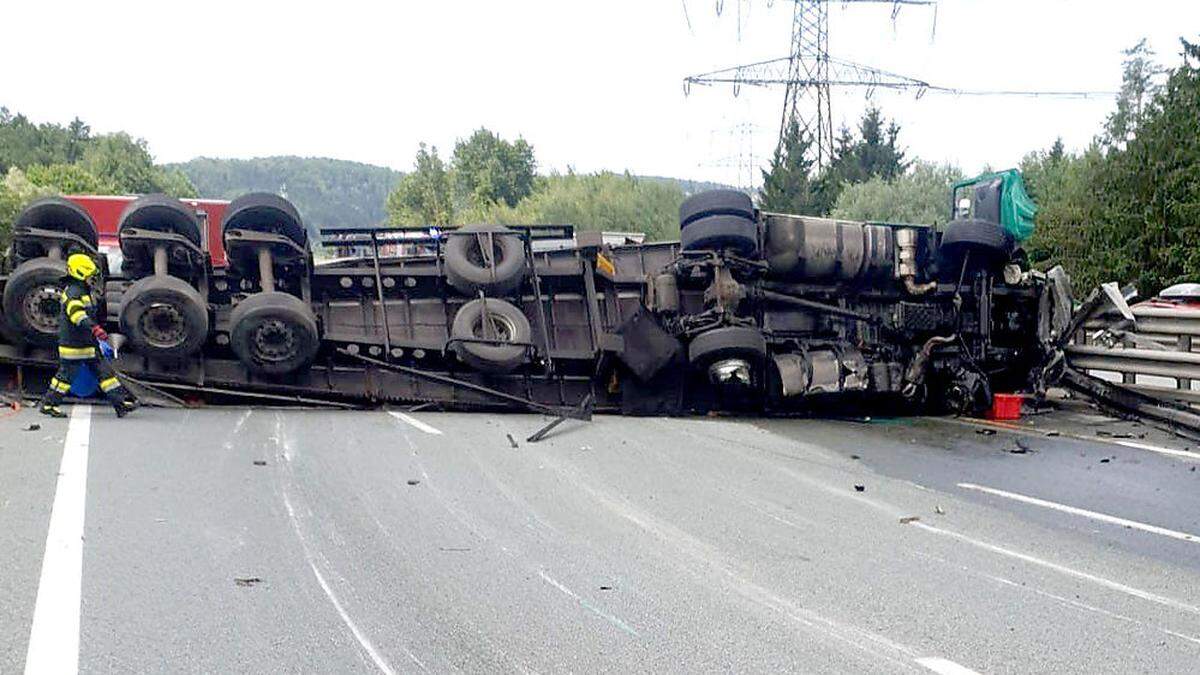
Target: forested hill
column 328, row 192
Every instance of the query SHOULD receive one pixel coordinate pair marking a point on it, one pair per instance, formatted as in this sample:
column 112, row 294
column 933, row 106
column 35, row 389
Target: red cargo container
column 106, row 211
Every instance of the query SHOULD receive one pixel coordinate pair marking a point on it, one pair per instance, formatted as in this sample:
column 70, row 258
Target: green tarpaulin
column 1017, row 209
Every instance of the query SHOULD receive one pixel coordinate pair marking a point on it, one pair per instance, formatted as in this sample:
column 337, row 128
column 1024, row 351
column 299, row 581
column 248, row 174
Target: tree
column 1138, row 88
column 595, row 202
column 68, row 179
column 874, row 152
column 423, row 197
column 16, row 190
column 920, row 196
column 787, row 185
column 488, row 169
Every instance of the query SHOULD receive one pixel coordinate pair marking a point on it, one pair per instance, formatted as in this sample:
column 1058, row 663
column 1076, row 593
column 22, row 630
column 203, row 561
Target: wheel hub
column 274, row 341
column 163, row 325
column 41, row 308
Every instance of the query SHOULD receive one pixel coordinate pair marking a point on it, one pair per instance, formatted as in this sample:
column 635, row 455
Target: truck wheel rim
column 274, row 341
column 503, row 328
column 41, row 308
column 162, row 325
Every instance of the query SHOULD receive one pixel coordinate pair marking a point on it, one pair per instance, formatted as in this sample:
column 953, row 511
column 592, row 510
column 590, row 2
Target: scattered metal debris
column 33, row 427
column 247, row 581
column 909, row 519
column 860, row 488
column 413, row 481
column 512, row 441
column 260, row 462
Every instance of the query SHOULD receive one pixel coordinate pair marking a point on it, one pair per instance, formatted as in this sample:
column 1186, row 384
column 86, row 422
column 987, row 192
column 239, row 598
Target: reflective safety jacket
column 76, row 320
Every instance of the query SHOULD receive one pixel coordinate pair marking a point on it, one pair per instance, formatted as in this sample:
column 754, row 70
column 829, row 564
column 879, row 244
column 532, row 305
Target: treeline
column 327, row 192
column 48, row 158
column 489, row 179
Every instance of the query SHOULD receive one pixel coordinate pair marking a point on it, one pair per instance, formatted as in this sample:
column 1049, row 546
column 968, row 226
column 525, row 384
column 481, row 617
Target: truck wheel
column 274, row 333
column 727, row 343
column 989, row 244
column 508, row 325
column 717, row 233
column 56, row 213
column 265, row 212
column 32, row 300
column 164, row 317
column 163, row 214
column 467, row 270
column 715, row 203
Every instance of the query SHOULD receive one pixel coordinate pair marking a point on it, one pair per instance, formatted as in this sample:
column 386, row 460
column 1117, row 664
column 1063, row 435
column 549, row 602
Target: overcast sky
column 592, row 85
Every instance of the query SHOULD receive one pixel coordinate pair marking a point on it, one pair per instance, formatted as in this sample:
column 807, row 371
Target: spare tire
column 718, row 233
column 164, row 317
column 265, row 212
column 56, row 213
column 509, row 325
column 274, row 333
column 163, row 214
column 988, row 243
column 723, row 202
column 468, row 271
column 725, row 343
column 32, row 300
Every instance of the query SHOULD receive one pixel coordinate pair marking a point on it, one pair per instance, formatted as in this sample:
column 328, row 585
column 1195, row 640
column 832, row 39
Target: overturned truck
column 749, row 311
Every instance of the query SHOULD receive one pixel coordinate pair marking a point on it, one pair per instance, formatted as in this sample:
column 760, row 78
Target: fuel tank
column 802, row 248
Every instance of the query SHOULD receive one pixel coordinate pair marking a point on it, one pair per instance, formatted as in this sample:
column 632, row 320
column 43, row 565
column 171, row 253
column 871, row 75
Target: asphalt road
column 263, row 540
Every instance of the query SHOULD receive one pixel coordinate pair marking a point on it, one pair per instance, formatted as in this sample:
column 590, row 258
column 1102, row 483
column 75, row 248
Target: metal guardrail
column 1158, row 354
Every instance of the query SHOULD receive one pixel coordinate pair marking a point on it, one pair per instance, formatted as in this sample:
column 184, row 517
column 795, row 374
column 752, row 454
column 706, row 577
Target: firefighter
column 79, row 333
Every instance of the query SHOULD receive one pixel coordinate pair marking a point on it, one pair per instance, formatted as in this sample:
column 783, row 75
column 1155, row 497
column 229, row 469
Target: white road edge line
column 1100, row 581
column 944, row 666
column 54, row 636
column 1076, row 511
column 404, row 417
column 1159, row 449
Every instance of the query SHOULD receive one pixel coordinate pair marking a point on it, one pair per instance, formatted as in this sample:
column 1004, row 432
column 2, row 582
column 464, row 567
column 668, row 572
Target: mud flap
column 647, row 347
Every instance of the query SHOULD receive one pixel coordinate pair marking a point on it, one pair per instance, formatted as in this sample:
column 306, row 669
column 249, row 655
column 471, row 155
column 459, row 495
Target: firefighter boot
column 125, row 406
column 51, row 409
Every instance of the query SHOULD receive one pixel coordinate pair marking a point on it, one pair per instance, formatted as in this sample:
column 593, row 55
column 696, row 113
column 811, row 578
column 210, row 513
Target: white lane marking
column 1041, row 433
column 1100, row 581
column 587, row 605
column 416, row 423
column 54, row 637
column 1076, row 511
column 1159, row 449
column 945, row 666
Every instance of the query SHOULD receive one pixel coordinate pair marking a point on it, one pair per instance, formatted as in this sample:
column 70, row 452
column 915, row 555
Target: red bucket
column 1006, row 407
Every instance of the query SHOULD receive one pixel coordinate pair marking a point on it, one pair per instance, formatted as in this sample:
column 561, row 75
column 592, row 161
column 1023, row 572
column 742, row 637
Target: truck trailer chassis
column 753, row 312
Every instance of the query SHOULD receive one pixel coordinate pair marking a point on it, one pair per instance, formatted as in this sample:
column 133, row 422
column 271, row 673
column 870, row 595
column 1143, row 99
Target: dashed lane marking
column 1076, row 511
column 404, row 417
column 54, row 637
column 945, row 666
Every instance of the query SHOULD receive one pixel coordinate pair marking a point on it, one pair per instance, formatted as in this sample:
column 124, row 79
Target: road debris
column 986, row 432
column 1020, row 448
column 860, row 488
column 909, row 519
column 33, row 427
column 413, row 481
column 512, row 441
column 937, row 508
column 260, row 462
column 247, row 581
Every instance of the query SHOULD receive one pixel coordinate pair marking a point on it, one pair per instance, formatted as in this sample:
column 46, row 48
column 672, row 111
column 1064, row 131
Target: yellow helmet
column 80, row 266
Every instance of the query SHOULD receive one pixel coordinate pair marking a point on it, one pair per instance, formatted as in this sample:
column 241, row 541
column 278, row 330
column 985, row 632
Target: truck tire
column 728, row 342
column 265, row 212
column 715, row 203
column 32, row 300
column 988, row 243
column 469, row 273
column 510, row 326
column 163, row 214
column 164, row 317
column 274, row 333
column 718, row 233
column 56, row 213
